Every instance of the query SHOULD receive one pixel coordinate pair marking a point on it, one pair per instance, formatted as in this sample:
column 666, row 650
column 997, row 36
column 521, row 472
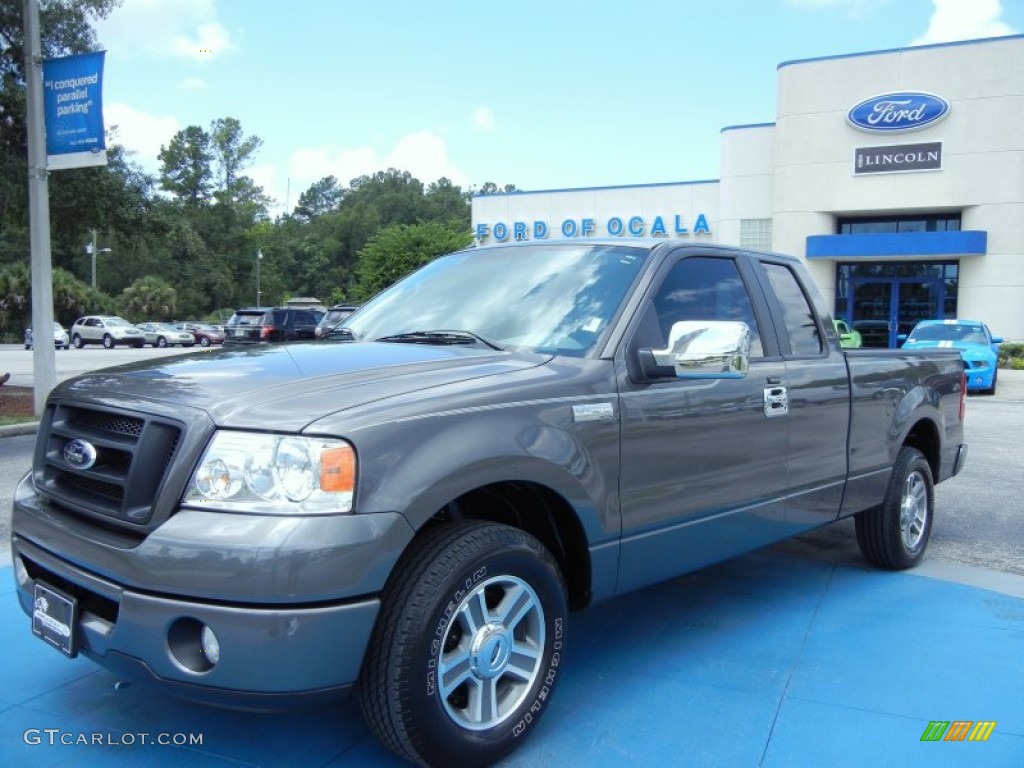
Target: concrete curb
column 13, row 430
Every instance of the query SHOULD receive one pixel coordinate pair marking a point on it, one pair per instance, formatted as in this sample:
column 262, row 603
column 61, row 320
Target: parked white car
column 108, row 330
column 60, row 337
column 166, row 335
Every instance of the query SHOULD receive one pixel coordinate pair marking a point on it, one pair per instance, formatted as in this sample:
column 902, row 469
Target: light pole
column 92, row 250
column 259, row 258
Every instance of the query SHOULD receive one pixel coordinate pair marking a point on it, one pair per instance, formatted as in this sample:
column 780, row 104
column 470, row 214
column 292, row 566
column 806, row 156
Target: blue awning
column 911, row 245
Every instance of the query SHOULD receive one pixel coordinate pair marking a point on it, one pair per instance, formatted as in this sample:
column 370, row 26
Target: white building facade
column 898, row 176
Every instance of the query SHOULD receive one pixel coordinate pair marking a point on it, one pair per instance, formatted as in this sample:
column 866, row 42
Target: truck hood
column 286, row 387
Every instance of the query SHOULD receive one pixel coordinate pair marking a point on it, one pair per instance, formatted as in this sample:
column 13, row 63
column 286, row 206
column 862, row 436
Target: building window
column 756, row 234
column 921, row 222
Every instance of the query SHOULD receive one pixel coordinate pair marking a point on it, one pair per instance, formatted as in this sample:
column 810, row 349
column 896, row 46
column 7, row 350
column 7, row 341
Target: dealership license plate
column 54, row 618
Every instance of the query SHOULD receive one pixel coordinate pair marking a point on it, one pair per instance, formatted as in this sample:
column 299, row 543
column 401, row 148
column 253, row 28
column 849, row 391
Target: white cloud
column 166, row 28
column 423, row 154
column 964, row 20
column 140, row 132
column 483, row 119
column 193, row 84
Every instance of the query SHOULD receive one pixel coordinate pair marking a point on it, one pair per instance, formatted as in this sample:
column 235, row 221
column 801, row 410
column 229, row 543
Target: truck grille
column 128, row 456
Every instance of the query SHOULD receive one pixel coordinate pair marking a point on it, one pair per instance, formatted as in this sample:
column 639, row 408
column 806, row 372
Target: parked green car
column 848, row 337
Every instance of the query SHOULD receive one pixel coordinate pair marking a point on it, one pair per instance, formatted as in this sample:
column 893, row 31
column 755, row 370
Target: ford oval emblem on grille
column 899, row 111
column 80, row 454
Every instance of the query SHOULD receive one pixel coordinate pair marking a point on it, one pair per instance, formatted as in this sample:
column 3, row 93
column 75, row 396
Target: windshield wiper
column 441, row 337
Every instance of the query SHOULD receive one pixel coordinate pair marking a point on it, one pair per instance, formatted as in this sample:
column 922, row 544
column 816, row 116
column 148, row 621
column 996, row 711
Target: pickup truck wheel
column 467, row 647
column 895, row 534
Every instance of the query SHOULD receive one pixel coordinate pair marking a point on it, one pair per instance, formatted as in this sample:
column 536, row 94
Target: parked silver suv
column 108, row 330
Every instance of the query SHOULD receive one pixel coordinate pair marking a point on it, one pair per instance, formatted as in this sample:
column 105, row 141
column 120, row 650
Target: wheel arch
column 924, row 435
column 537, row 510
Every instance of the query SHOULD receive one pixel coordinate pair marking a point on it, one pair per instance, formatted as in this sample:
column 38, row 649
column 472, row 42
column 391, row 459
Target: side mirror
column 701, row 350
column 997, row 339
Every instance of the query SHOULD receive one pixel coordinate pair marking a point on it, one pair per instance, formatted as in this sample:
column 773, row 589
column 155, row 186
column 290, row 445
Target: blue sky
column 542, row 95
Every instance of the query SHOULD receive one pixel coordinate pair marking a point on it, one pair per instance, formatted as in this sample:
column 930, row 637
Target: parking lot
column 798, row 654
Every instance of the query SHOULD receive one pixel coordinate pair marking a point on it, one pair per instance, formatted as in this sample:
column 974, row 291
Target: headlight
column 274, row 474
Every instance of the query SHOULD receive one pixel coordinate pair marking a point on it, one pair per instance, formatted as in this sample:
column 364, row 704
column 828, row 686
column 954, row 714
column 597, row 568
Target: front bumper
column 268, row 655
column 292, row 611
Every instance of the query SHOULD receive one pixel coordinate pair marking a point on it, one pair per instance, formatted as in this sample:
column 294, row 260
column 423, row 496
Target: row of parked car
column 111, row 331
column 246, row 326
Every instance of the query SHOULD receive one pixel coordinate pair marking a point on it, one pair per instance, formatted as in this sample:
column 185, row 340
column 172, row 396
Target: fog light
column 210, row 644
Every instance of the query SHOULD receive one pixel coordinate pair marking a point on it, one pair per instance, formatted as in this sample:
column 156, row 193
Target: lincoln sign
column 901, row 158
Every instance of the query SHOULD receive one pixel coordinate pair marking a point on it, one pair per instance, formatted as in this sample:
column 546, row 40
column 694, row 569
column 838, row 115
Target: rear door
column 703, row 460
column 818, row 390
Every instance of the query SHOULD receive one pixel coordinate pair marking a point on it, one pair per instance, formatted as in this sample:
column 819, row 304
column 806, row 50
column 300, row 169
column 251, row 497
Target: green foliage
column 1010, row 354
column 148, row 299
column 397, row 250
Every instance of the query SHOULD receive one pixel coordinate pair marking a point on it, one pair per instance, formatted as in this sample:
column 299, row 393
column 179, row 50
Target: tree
column 186, row 166
column 447, row 202
column 149, row 298
column 397, row 250
column 321, row 198
column 15, row 295
column 231, row 150
column 490, row 188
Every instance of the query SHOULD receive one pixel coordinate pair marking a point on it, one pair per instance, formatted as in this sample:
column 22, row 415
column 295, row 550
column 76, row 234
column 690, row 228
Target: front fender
column 417, row 466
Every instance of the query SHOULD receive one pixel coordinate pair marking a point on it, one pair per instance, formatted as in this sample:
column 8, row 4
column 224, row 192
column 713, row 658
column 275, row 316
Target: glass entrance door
column 916, row 301
column 872, row 311
column 884, row 300
column 883, row 310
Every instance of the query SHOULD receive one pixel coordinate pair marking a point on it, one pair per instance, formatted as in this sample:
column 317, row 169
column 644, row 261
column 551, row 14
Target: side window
column 804, row 338
column 706, row 288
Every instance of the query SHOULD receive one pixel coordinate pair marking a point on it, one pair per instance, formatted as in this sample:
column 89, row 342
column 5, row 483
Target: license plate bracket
column 55, row 618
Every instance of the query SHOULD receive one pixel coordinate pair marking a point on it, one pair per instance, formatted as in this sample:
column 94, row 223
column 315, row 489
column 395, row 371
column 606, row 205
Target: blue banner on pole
column 73, row 105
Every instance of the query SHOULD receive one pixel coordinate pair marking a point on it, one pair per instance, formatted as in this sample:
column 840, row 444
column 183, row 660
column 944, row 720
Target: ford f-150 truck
column 414, row 506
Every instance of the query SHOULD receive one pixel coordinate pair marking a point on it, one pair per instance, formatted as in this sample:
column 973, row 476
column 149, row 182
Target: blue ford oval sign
column 900, row 111
column 80, row 454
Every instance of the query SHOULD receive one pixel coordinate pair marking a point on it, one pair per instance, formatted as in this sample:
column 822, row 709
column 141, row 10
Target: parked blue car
column 978, row 348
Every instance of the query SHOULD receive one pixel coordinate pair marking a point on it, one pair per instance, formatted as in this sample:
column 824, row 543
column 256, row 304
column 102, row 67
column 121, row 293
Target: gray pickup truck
column 508, row 434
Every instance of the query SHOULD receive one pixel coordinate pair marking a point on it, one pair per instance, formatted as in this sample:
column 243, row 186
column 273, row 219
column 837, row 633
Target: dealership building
column 897, row 176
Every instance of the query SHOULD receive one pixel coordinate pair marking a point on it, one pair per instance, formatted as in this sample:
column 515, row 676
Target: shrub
column 1011, row 354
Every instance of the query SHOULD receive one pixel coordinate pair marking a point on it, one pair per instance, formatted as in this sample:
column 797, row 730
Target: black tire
column 204, row 341
column 77, row 341
column 67, row 346
column 108, row 341
column 447, row 605
column 161, row 342
column 895, row 534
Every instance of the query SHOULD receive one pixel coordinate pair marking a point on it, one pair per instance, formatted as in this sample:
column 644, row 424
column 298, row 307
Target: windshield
column 949, row 332
column 545, row 298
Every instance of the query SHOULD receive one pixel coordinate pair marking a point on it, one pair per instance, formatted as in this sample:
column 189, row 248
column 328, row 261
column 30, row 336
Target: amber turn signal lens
column 338, row 469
